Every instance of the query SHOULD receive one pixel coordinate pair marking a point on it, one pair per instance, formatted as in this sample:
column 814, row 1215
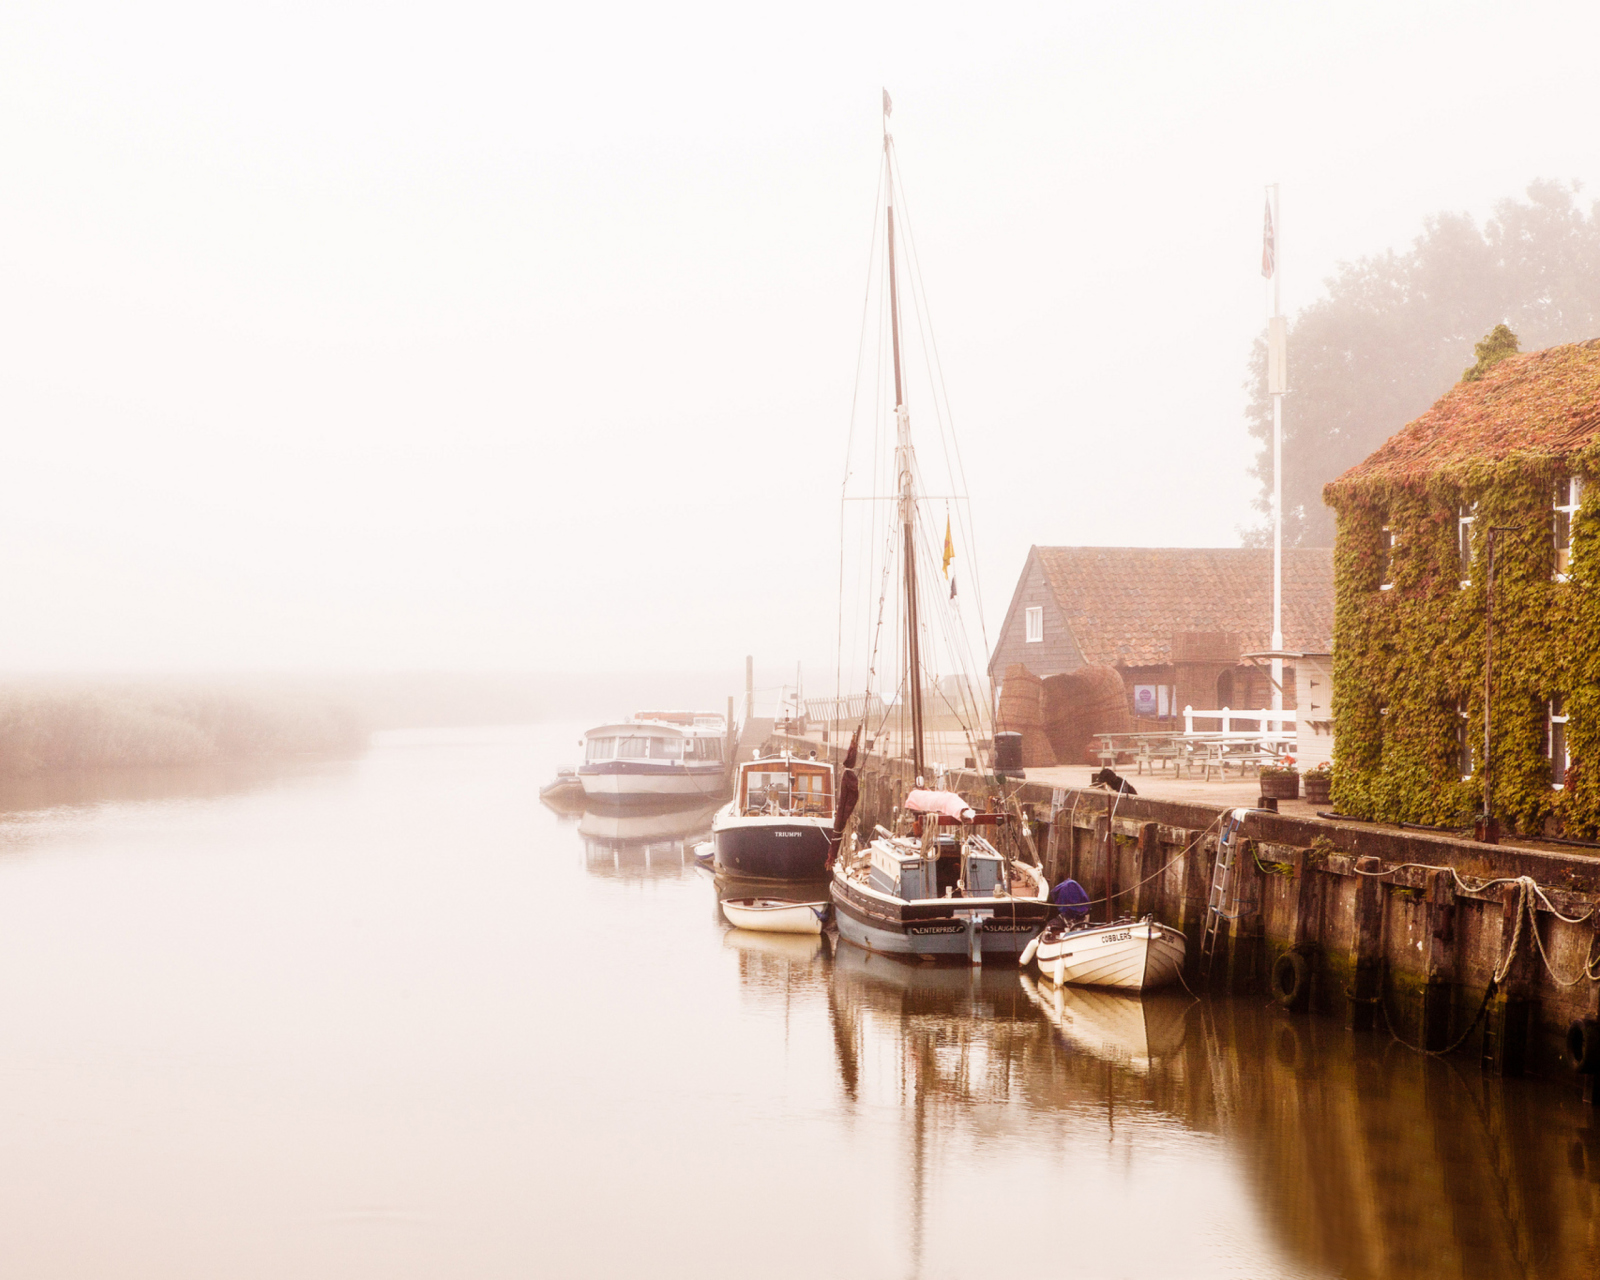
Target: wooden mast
column 904, row 460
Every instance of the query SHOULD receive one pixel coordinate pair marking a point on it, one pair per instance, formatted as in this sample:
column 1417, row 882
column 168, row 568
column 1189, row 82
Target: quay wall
column 1389, row 935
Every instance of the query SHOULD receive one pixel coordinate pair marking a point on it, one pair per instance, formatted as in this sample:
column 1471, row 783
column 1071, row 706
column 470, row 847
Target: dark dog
column 1111, row 780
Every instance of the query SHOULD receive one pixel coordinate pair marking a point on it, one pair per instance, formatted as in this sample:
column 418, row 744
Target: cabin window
column 666, row 748
column 1463, row 742
column 633, row 748
column 1568, row 497
column 811, row 793
column 1556, row 742
column 1389, row 542
column 766, row 789
column 601, row 749
column 705, row 749
column 1034, row 619
column 1465, row 516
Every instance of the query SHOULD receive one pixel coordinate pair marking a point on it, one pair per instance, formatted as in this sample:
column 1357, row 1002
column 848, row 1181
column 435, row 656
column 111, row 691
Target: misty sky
column 510, row 336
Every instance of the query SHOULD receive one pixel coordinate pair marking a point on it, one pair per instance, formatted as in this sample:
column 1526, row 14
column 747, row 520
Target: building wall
column 1409, row 643
column 1056, row 653
column 1314, row 693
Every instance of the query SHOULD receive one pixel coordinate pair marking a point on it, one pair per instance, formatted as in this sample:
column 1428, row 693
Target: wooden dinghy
column 1129, row 955
column 769, row 915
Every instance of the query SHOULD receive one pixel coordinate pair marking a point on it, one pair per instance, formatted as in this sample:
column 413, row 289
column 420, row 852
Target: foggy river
column 393, row 1018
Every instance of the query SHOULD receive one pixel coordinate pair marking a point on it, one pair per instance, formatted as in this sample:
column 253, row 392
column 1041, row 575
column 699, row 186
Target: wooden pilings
column 1373, row 911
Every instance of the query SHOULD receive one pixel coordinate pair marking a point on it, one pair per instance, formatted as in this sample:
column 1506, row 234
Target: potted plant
column 1319, row 783
column 1280, row 782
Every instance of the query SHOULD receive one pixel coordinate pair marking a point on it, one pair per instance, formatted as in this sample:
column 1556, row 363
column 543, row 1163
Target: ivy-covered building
column 1512, row 452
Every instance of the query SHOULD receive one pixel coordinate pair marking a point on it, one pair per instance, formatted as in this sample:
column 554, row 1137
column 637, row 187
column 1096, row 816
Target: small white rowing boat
column 769, row 915
column 1130, row 955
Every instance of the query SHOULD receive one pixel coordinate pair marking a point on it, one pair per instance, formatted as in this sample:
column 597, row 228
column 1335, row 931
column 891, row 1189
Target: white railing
column 1284, row 720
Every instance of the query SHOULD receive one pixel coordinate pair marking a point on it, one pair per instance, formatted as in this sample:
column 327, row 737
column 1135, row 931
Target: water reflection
column 91, row 787
column 1351, row 1156
column 652, row 844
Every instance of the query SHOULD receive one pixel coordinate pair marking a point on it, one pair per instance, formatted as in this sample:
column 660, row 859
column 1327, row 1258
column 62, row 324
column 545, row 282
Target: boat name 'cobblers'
column 1116, row 937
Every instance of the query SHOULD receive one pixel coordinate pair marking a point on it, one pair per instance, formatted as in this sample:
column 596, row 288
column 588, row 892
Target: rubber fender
column 1028, row 952
column 1291, row 981
column 1583, row 1045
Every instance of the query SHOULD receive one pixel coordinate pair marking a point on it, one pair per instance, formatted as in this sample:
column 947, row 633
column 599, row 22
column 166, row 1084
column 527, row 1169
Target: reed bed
column 60, row 727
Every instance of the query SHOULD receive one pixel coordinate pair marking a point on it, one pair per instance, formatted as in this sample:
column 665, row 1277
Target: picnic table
column 1203, row 751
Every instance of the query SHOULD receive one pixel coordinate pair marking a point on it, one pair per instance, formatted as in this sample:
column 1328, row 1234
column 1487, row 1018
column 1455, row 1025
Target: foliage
column 1318, row 770
column 1495, row 346
column 51, row 728
column 1392, row 331
column 1409, row 660
column 1279, row 771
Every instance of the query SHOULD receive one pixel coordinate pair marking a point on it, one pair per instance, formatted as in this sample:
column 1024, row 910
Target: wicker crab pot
column 1280, row 784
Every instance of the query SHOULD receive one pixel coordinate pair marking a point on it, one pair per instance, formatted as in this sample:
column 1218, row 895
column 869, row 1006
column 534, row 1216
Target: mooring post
column 1366, row 946
column 1196, row 869
column 1105, row 848
column 1509, row 1016
column 1438, row 960
column 1148, row 893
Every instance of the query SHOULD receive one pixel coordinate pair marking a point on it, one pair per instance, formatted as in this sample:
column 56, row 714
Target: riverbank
column 59, row 726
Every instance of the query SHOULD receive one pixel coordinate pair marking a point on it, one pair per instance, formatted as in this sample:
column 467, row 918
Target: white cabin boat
column 656, row 757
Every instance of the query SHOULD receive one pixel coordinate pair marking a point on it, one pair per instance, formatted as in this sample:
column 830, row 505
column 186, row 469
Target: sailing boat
column 939, row 885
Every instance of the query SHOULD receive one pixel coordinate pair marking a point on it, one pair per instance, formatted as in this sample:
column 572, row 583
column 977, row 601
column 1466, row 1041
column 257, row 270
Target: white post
column 1188, row 720
column 1227, row 721
column 1277, row 465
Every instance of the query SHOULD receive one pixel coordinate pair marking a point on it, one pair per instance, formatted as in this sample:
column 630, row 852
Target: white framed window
column 1390, row 541
column 1568, row 497
column 1466, row 514
column 1464, row 760
column 1033, row 620
column 1556, row 742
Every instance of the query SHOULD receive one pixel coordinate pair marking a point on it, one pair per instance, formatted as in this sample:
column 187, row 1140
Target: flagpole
column 1277, row 461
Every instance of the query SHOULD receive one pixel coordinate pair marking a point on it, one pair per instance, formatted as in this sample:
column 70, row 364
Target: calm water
column 395, row 1019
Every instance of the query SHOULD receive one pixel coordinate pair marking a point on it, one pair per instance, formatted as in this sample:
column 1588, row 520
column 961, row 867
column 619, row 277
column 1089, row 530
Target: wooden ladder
column 1221, row 884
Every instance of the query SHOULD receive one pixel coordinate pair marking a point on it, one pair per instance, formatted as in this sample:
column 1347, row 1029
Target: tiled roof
column 1545, row 404
column 1124, row 604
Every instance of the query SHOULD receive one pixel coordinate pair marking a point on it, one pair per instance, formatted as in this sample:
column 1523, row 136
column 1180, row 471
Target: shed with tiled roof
column 1122, row 607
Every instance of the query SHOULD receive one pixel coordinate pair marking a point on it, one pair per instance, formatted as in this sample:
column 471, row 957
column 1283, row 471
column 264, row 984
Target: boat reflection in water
column 1115, row 1026
column 634, row 844
column 1221, row 1132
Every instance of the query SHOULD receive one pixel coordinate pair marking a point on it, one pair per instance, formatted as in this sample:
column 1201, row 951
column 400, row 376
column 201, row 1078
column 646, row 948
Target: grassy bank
column 61, row 727
column 61, row 724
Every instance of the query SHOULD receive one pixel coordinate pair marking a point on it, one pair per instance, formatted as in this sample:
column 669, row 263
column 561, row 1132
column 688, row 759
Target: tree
column 1393, row 330
column 1497, row 344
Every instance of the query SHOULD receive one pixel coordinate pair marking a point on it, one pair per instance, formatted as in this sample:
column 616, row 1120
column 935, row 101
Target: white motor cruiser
column 656, row 757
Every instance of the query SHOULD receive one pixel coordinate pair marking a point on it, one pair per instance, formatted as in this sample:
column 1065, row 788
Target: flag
column 952, row 588
column 1269, row 247
column 888, row 107
column 949, row 547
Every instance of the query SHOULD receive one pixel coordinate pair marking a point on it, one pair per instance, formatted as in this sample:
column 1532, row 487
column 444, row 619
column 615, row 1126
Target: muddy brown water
column 393, row 1018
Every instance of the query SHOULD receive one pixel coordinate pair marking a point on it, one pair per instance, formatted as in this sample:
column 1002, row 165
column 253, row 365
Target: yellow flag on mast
column 949, row 547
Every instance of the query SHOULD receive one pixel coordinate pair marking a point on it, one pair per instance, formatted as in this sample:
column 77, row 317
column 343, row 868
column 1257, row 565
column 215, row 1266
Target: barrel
column 1008, row 753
